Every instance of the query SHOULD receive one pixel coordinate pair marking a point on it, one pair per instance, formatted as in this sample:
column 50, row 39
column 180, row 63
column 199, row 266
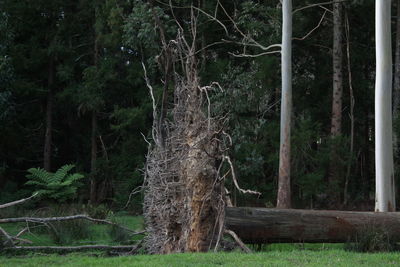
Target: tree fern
column 59, row 186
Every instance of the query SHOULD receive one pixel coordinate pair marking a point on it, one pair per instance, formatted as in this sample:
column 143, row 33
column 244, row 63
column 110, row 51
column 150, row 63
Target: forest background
column 72, row 91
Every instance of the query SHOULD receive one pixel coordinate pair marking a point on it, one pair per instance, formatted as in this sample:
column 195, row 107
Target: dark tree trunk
column 49, row 118
column 336, row 119
column 93, row 183
column 260, row 225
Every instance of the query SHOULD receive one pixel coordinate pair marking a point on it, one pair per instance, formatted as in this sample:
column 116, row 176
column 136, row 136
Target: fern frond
column 73, row 177
column 39, row 174
column 33, row 182
column 62, row 172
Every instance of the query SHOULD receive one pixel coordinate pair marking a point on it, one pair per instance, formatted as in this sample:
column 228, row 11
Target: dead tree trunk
column 260, row 225
column 183, row 202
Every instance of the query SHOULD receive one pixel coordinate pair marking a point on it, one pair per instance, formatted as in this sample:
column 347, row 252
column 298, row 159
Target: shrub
column 69, row 231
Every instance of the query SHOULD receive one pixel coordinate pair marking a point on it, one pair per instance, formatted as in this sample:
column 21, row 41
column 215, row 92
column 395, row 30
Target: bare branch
column 317, row 4
column 316, row 27
column 134, row 192
column 256, row 55
column 17, row 202
column 238, row 241
column 235, row 180
column 214, row 18
column 326, row 9
column 9, row 238
column 352, row 102
column 153, row 132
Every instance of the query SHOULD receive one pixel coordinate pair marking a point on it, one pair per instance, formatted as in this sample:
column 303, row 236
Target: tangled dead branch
column 184, row 193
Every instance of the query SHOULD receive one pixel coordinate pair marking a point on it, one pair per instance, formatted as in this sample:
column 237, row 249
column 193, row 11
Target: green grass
column 98, row 233
column 274, row 258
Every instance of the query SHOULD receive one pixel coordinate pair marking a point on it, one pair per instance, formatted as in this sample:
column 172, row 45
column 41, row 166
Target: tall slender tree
column 396, row 85
column 49, row 118
column 336, row 118
column 385, row 194
column 284, row 192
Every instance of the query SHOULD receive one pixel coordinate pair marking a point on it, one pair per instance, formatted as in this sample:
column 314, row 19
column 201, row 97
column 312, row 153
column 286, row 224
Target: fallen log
column 261, row 225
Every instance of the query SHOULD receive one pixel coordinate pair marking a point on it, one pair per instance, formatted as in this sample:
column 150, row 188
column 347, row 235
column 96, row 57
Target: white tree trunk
column 385, row 196
column 284, row 199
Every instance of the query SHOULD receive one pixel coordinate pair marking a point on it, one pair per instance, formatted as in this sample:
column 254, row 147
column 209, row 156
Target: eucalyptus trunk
column 396, row 86
column 337, row 93
column 284, row 192
column 385, row 194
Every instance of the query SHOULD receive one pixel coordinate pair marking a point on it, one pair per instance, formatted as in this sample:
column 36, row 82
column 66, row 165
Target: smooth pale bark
column 396, row 86
column 385, row 193
column 284, row 192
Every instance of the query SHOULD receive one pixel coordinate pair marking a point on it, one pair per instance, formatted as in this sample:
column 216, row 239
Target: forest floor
column 267, row 255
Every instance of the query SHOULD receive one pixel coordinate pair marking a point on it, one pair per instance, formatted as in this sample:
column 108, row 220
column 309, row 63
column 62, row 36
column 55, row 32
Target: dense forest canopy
column 73, row 91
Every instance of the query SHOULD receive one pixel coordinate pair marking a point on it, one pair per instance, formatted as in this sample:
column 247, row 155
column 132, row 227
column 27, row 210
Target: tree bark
column 184, row 198
column 396, row 86
column 336, row 119
column 49, row 118
column 284, row 192
column 337, row 59
column 261, row 225
column 385, row 191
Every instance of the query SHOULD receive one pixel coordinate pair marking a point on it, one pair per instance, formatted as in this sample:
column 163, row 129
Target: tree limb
column 17, row 202
column 235, row 180
column 238, row 241
column 316, row 27
column 317, row 4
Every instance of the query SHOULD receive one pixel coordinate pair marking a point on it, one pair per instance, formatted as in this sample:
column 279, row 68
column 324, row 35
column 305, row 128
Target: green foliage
column 373, row 238
column 69, row 232
column 59, row 186
column 99, row 211
column 120, row 235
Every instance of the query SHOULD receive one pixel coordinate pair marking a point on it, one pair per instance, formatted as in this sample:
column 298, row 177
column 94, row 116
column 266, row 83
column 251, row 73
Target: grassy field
column 332, row 257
